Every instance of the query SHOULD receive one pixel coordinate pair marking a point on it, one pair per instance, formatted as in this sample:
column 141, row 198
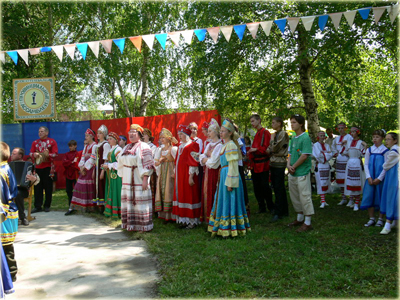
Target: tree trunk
column 121, row 91
column 305, row 68
column 143, row 79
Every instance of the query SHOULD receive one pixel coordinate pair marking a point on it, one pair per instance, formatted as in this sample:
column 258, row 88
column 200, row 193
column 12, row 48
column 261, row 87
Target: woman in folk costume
column 228, row 215
column 373, row 165
column 113, row 181
column 85, row 188
column 165, row 182
column 187, row 204
column 135, row 166
column 148, row 138
column 322, row 153
column 204, row 129
column 194, row 131
column 355, row 177
column 99, row 155
column 211, row 165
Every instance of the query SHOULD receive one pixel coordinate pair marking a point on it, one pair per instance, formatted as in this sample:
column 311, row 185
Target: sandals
column 370, row 223
column 380, row 223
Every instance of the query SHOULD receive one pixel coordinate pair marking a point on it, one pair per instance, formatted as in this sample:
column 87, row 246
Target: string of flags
column 213, row 32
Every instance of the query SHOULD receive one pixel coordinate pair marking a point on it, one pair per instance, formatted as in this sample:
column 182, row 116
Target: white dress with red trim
column 322, row 153
column 355, row 175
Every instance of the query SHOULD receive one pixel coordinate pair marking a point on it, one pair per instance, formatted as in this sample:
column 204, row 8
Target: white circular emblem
column 34, row 98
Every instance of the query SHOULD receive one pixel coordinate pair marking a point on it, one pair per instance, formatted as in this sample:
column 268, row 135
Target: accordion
column 20, row 170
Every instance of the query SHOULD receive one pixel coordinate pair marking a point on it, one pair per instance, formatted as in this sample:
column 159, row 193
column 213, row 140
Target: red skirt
column 209, row 188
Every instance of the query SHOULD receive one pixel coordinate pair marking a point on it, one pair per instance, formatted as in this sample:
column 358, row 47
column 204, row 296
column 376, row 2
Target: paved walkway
column 76, row 257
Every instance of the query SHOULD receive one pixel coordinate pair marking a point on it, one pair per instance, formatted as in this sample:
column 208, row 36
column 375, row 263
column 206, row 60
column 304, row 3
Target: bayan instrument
column 20, row 170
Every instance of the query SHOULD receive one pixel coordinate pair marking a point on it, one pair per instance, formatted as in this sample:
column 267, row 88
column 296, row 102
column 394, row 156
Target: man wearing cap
column 43, row 151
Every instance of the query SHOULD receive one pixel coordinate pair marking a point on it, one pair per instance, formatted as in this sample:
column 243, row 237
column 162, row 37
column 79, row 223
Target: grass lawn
column 339, row 258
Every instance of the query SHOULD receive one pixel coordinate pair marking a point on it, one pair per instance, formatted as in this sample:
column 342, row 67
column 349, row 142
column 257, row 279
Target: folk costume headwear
column 103, row 128
column 90, row 132
column 228, row 124
column 213, row 125
column 137, row 127
column 206, row 125
column 184, row 129
column 193, row 124
column 122, row 137
column 148, row 132
column 114, row 136
column 358, row 131
column 165, row 133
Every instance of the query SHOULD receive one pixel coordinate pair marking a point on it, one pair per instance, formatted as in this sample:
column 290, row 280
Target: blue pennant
column 120, row 44
column 82, row 49
column 281, row 24
column 239, row 29
column 364, row 12
column 322, row 22
column 13, row 55
column 200, row 33
column 162, row 39
column 45, row 49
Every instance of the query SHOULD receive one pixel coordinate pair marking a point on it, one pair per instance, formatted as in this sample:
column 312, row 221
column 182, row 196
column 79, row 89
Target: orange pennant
column 137, row 42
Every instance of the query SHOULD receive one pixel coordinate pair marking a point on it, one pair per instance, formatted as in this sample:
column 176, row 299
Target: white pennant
column 107, row 44
column 58, row 50
column 24, row 55
column 149, row 39
column 227, row 32
column 349, row 15
column 378, row 12
column 187, row 36
column 70, row 50
column 308, row 22
column 266, row 26
column 213, row 32
column 336, row 17
column 293, row 23
column 34, row 51
column 253, row 28
column 95, row 46
column 175, row 37
column 394, row 12
column 2, row 57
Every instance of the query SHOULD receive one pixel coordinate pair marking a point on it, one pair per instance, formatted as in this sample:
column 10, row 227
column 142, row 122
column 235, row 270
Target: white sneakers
column 343, row 202
column 385, row 231
column 355, row 207
column 323, row 204
column 350, row 204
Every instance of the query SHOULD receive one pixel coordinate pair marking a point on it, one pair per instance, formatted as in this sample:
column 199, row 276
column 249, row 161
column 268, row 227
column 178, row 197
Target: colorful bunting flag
column 82, row 47
column 175, row 37
column 253, row 28
column 227, row 32
column 336, row 17
column 162, row 39
column 70, row 50
column 293, row 22
column 266, row 26
column 120, row 44
column 364, row 12
column 13, row 55
column 201, row 34
column 107, row 44
column 239, row 29
column 213, row 32
column 149, row 40
column 394, row 11
column 58, row 50
column 349, row 15
column 45, row 49
column 187, row 36
column 2, row 57
column 307, row 22
column 24, row 55
column 137, row 42
column 281, row 23
column 95, row 48
column 34, row 51
column 322, row 22
column 378, row 12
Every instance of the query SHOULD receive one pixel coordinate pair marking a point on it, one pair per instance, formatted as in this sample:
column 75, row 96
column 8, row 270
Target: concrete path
column 76, row 257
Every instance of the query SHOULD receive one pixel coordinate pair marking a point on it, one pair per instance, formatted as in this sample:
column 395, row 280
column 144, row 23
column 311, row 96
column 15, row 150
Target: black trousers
column 69, row 188
column 278, row 184
column 19, row 201
column 46, row 184
column 246, row 196
column 12, row 263
column 262, row 191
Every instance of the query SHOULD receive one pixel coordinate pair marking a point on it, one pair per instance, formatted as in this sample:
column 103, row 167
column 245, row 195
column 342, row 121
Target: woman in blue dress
column 228, row 216
column 390, row 190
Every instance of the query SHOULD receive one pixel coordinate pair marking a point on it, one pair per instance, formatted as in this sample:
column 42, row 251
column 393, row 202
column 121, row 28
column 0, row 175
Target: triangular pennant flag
column 2, row 57
column 378, row 12
column 349, row 15
column 120, row 44
column 227, row 32
column 82, row 47
column 281, row 23
column 24, row 55
column 336, row 17
column 149, row 40
column 266, row 26
column 95, row 48
column 34, row 51
column 58, row 50
column 13, row 55
column 394, row 12
column 253, row 28
column 213, row 32
column 70, row 50
column 293, row 23
column 239, row 29
column 307, row 22
column 201, row 34
column 107, row 44
column 322, row 22
column 137, row 42
column 175, row 37
column 187, row 35
column 364, row 12
column 162, row 39
column 45, row 49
